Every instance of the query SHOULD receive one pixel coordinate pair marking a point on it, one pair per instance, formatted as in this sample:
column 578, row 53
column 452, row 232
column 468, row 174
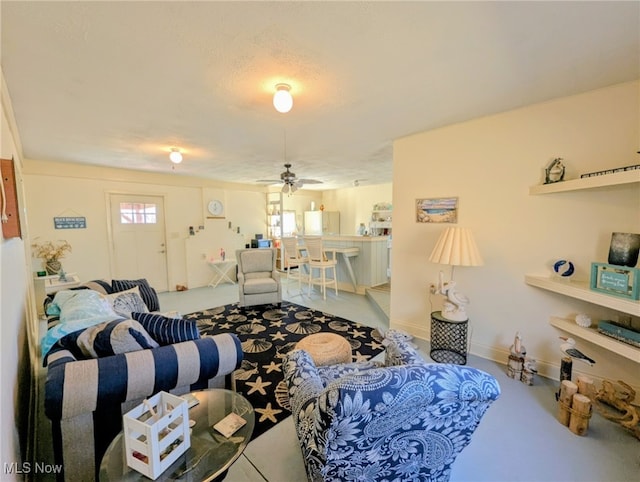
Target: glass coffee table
column 210, row 455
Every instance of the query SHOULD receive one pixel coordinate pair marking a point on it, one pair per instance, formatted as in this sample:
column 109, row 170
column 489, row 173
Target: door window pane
column 138, row 213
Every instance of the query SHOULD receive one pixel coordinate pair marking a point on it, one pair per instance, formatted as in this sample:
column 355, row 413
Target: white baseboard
column 550, row 370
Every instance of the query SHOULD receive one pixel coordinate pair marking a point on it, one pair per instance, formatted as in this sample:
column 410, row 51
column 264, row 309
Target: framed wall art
column 437, row 210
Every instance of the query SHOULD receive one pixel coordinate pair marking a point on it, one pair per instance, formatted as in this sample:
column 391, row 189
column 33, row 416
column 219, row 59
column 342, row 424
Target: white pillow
column 126, row 302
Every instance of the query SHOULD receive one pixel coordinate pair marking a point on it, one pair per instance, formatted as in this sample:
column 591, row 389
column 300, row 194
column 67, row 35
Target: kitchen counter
column 363, row 261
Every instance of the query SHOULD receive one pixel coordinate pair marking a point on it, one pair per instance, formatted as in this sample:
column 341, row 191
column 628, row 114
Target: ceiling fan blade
column 269, row 181
column 309, row 181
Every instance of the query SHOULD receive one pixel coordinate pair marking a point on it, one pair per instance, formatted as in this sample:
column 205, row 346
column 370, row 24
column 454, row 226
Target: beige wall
column 17, row 360
column 489, row 164
column 355, row 204
column 84, row 191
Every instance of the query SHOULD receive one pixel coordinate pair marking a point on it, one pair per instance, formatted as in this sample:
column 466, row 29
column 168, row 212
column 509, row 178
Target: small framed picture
column 615, row 280
column 437, row 210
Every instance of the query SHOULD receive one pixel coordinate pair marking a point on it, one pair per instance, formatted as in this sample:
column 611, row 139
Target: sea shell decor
column 563, row 268
column 282, row 395
column 303, row 315
column 355, row 344
column 583, row 320
column 282, row 350
column 257, row 345
column 303, row 327
column 214, row 311
column 236, row 318
column 339, row 325
column 251, row 329
column 246, row 371
column 274, row 315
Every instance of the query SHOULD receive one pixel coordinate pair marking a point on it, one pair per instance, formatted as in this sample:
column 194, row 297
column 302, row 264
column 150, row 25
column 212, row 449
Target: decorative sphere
column 563, row 268
column 583, row 320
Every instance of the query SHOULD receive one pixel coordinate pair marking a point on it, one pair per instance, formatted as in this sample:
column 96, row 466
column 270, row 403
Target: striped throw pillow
column 113, row 338
column 167, row 331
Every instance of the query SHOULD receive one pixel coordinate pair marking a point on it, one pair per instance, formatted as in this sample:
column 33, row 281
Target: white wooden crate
column 153, row 443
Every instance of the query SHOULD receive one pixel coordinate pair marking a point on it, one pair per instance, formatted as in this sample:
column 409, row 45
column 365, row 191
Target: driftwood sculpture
column 615, row 403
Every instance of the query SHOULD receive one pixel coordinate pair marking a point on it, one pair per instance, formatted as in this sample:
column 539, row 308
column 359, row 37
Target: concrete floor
column 518, row 440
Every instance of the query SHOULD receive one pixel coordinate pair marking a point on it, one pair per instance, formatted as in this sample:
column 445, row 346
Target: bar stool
column 294, row 259
column 318, row 260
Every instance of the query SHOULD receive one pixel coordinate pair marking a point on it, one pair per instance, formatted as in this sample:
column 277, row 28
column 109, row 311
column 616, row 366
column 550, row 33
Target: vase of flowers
column 51, row 252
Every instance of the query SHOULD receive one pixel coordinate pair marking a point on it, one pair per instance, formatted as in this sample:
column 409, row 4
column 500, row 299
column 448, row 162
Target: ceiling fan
column 290, row 183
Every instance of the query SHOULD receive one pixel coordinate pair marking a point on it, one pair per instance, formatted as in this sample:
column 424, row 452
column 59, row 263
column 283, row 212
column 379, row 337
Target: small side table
column 53, row 283
column 223, row 271
column 448, row 340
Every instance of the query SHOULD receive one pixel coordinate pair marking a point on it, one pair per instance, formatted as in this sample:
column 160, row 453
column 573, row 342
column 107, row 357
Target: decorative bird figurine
column 569, row 349
column 454, row 308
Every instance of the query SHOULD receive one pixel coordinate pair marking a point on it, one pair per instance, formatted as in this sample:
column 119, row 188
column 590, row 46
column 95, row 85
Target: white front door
column 138, row 237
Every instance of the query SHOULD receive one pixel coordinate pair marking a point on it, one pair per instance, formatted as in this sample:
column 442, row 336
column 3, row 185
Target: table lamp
column 455, row 247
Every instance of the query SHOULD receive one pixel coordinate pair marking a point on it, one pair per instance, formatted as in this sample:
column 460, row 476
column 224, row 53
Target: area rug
column 267, row 333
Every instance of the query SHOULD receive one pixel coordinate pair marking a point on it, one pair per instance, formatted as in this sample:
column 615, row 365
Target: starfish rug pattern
column 267, row 333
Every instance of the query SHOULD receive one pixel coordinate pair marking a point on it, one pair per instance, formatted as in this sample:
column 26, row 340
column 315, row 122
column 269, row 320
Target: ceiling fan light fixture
column 175, row 155
column 282, row 99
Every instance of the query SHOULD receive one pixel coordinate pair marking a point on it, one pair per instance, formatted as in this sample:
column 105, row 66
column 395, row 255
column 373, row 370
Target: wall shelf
column 581, row 291
column 605, row 180
column 592, row 335
column 377, row 227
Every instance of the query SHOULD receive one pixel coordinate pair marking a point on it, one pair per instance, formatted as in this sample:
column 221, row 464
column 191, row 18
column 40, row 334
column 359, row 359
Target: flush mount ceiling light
column 175, row 156
column 282, row 100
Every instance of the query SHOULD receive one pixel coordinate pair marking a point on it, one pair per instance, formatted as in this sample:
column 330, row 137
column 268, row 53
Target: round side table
column 448, row 340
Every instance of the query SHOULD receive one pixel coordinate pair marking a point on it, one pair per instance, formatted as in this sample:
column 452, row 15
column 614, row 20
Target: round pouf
column 326, row 348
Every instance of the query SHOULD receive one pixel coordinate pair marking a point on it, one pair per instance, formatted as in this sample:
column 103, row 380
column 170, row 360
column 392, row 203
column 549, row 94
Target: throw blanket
column 78, row 309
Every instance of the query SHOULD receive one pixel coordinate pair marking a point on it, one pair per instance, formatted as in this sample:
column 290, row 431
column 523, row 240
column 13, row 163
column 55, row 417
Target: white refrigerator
column 317, row 223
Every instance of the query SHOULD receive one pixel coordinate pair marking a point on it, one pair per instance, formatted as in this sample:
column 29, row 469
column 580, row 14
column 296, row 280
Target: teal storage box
column 618, row 332
column 615, row 280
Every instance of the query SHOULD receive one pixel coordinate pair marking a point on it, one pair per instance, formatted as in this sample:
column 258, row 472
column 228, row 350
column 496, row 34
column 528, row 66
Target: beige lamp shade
column 456, row 247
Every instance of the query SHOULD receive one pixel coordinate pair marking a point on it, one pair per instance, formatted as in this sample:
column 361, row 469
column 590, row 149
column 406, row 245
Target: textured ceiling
column 120, row 83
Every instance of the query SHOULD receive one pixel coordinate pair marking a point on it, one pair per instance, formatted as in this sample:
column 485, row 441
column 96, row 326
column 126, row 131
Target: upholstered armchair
column 407, row 420
column 258, row 280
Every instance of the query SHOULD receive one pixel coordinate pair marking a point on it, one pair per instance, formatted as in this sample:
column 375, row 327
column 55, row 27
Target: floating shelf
column 592, row 335
column 581, row 291
column 613, row 179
